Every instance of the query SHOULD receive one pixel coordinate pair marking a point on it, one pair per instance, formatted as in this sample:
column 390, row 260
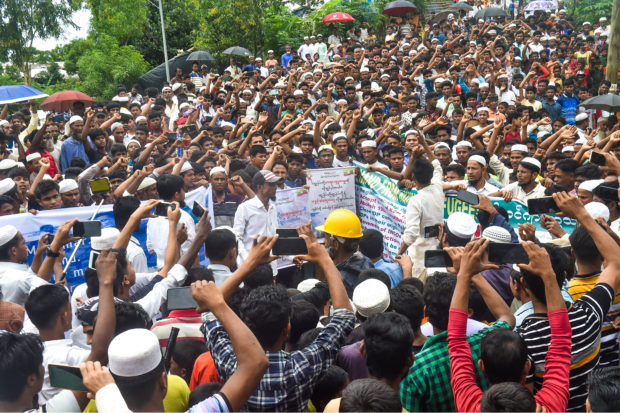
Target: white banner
column 330, row 189
column 292, row 207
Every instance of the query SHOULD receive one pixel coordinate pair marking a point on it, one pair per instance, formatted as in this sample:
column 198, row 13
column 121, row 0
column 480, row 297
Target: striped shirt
column 578, row 286
column 586, row 317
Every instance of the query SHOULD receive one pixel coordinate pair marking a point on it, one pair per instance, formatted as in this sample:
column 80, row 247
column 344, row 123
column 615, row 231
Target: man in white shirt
column 476, row 172
column 170, row 189
column 305, row 50
column 221, row 249
column 371, row 154
column 258, row 215
column 527, row 185
column 424, row 209
column 16, row 278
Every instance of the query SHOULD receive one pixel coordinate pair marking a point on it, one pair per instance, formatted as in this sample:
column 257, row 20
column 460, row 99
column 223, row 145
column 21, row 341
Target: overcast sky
column 81, row 18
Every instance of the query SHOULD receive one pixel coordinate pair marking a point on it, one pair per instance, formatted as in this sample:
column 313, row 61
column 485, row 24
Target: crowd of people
column 490, row 106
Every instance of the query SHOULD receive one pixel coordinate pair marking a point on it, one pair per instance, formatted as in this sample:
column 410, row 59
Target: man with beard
column 476, row 172
column 258, row 216
column 69, row 193
column 225, row 202
column 73, row 147
column 517, row 153
column 527, row 185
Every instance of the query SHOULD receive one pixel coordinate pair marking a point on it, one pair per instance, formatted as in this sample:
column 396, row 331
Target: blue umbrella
column 19, row 93
column 540, row 5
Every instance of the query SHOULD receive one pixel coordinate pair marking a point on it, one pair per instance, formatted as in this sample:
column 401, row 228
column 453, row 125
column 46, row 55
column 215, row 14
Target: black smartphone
column 431, row 232
column 197, row 210
column 507, row 253
column 180, row 299
column 189, row 129
column 437, row 259
column 289, row 246
column 544, row 205
column 468, row 197
column 87, row 229
column 161, row 209
column 66, row 377
column 172, row 136
column 99, row 185
column 287, row 232
column 229, row 88
column 608, row 193
column 597, row 159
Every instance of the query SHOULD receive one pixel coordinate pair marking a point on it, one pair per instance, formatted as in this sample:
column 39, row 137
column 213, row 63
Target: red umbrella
column 399, row 8
column 338, row 17
column 63, row 101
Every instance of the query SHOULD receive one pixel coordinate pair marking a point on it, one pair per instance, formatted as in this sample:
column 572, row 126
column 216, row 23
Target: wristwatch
column 50, row 253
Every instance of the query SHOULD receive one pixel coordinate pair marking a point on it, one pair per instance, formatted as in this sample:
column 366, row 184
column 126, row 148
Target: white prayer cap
column 7, row 233
column 597, row 209
column 518, row 58
column 325, row 147
column 441, row 145
column 492, row 31
column 47, row 177
column 177, row 86
column 74, row 118
column 581, row 117
column 298, row 93
column 568, row 149
column 184, row 105
column 32, row 156
column 163, row 89
column 226, row 124
column 463, row 143
column 133, row 141
column 512, row 25
column 4, row 122
column 478, row 158
column 306, row 38
column 7, row 164
column 146, row 182
column 484, row 84
column 140, row 118
column 20, row 165
column 542, row 135
column 461, row 225
column 371, row 297
column 317, row 71
column 115, row 126
column 6, row 185
column 348, row 78
column 106, row 240
column 259, row 58
column 133, row 353
column 476, row 80
column 496, row 234
column 217, row 169
column 67, row 185
column 482, row 108
column 531, row 161
column 603, row 19
column 385, row 75
column 411, row 132
column 341, row 102
column 369, row 144
column 186, row 167
column 586, row 23
column 307, row 284
column 364, row 69
column 269, row 51
column 519, row 147
column 338, row 136
column 590, row 184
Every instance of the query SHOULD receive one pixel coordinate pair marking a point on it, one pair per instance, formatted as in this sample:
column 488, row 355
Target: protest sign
column 292, row 207
column 330, row 189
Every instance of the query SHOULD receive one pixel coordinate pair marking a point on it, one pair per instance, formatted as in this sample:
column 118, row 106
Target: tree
column 25, row 20
column 51, row 76
column 121, row 19
column 105, row 64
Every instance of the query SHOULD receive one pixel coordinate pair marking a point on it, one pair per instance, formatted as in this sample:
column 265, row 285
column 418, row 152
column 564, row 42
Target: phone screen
column 171, row 136
column 290, row 246
column 287, row 232
column 180, row 299
column 468, row 197
column 161, row 209
column 87, row 229
column 66, row 377
column 607, row 193
column 597, row 159
column 431, row 231
column 507, row 253
column 197, row 210
column 544, row 205
column 437, row 259
column 99, row 185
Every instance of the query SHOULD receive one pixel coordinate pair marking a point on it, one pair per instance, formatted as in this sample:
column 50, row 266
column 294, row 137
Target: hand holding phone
column 431, row 231
column 468, row 197
column 98, row 186
column 66, row 377
column 87, row 229
column 597, row 158
column 544, row 205
column 161, row 209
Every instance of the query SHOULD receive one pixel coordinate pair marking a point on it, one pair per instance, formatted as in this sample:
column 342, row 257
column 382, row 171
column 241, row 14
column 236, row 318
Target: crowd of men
column 490, row 106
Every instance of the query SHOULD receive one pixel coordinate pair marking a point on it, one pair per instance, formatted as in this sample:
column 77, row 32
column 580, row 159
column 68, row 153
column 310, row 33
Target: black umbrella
column 200, row 55
column 461, row 6
column 490, row 12
column 399, row 7
column 237, row 51
column 608, row 102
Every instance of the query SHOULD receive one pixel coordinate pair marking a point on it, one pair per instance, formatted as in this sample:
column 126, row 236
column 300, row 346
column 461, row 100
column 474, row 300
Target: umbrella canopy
column 237, row 51
column 63, row 101
column 338, row 17
column 440, row 17
column 540, row 5
column 399, row 7
column 609, row 102
column 19, row 93
column 490, row 12
column 200, row 55
column 461, row 6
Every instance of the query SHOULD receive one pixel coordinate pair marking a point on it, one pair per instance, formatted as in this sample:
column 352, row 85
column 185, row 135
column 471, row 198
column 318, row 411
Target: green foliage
column 71, row 52
column 124, row 20
column 25, row 20
column 51, row 76
column 105, row 64
column 13, row 73
column 588, row 10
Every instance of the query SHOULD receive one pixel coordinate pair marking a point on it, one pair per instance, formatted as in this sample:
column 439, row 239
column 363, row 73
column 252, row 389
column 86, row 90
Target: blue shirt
column 392, row 269
column 569, row 107
column 294, row 183
column 555, row 110
column 249, row 68
column 286, row 59
column 72, row 149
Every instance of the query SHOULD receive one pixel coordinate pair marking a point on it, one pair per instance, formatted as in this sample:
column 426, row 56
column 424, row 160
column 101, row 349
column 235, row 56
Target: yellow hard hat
column 342, row 223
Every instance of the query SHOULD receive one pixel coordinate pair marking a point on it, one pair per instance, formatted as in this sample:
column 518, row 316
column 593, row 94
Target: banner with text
column 382, row 205
column 330, row 189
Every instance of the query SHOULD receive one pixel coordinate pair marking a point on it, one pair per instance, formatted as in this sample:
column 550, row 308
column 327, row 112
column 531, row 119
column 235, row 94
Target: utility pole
column 163, row 35
column 614, row 44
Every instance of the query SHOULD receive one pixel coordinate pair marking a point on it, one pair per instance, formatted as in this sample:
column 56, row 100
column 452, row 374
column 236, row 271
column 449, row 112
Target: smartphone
column 287, row 232
column 507, row 253
column 608, row 193
column 87, row 229
column 597, row 159
column 172, row 136
column 161, row 209
column 544, row 205
column 437, row 259
column 289, row 246
column 197, row 210
column 180, row 299
column 66, row 377
column 431, row 232
column 468, row 197
column 189, row 129
column 99, row 185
